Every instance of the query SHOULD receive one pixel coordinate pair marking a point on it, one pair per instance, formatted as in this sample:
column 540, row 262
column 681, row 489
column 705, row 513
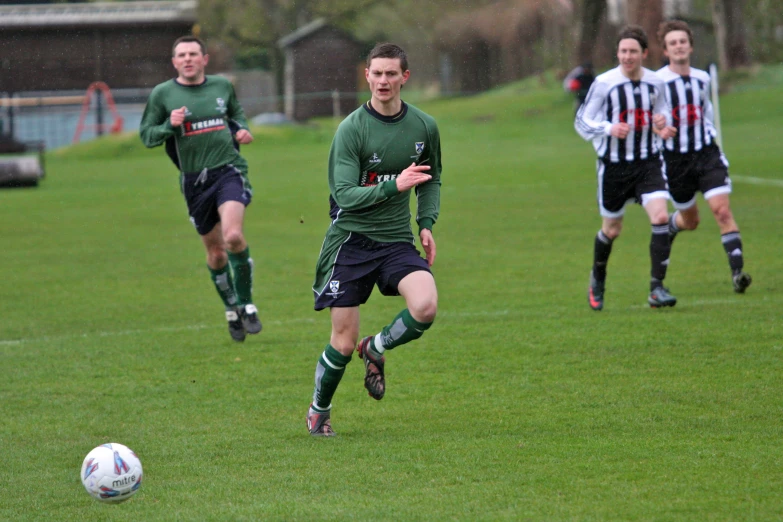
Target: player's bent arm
column 427, row 204
column 661, row 105
column 349, row 196
column 428, row 194
column 709, row 116
column 155, row 135
column 345, row 169
column 155, row 127
column 588, row 121
column 235, row 111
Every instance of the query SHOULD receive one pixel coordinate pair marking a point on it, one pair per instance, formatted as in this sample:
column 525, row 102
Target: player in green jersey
column 380, row 152
column 202, row 125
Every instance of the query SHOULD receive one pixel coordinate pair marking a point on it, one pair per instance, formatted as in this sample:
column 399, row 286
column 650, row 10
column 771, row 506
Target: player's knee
column 424, row 311
column 691, row 222
column 217, row 257
column 660, row 217
column 344, row 341
column 613, row 231
column 234, row 239
column 723, row 216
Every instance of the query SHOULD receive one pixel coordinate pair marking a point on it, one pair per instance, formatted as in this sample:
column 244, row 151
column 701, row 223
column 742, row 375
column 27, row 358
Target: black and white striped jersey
column 689, row 98
column 614, row 98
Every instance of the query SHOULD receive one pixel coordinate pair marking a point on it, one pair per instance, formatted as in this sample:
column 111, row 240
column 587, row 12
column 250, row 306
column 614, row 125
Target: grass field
column 519, row 404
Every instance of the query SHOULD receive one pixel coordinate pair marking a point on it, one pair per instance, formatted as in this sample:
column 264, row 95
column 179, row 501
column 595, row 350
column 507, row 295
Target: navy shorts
column 705, row 171
column 624, row 182
column 206, row 191
column 347, row 270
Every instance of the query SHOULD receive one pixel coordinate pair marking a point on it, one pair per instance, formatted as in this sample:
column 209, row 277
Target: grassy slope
column 519, row 403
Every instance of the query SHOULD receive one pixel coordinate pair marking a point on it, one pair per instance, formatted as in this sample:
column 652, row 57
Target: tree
column 253, row 27
column 591, row 15
column 649, row 15
column 729, row 21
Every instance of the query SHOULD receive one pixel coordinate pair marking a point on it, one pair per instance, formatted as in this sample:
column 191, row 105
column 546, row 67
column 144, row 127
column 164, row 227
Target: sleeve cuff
column 389, row 188
column 427, row 223
column 607, row 128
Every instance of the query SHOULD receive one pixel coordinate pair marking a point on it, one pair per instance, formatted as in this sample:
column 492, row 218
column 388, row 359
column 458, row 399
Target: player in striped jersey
column 694, row 162
column 624, row 111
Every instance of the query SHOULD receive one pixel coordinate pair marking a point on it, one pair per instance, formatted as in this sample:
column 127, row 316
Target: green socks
column 242, row 266
column 331, row 365
column 328, row 372
column 224, row 285
column 236, row 290
column 403, row 329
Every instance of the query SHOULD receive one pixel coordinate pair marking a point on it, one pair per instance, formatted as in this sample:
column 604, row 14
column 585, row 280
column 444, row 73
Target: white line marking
column 485, row 313
column 48, row 338
column 120, row 333
column 757, row 181
column 708, row 302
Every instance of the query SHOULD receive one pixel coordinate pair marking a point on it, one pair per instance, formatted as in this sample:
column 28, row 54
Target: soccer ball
column 111, row 473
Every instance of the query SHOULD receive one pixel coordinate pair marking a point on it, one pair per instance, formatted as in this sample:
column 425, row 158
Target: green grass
column 519, row 404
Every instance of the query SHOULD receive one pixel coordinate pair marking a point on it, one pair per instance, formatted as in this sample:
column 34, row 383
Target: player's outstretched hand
column 177, row 116
column 428, row 244
column 412, row 176
column 659, row 121
column 243, row 136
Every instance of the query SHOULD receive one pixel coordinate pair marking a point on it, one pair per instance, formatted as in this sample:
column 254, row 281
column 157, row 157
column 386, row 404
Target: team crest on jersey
column 375, row 158
column 419, row 147
column 221, row 105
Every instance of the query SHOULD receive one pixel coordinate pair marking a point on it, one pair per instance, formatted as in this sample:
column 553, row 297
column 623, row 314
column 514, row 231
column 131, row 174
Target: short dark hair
column 635, row 32
column 388, row 50
column 188, row 39
column 673, row 25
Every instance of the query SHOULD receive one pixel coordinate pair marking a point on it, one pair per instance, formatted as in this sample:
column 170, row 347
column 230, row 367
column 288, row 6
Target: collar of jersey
column 190, row 86
column 387, row 119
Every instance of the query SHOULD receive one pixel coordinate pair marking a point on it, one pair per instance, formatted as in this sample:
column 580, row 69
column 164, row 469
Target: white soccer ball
column 111, row 473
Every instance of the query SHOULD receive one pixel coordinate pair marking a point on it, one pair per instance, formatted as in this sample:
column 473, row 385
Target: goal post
column 716, row 102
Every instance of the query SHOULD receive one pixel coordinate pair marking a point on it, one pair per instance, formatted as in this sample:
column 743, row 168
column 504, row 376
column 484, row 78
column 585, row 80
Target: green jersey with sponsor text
column 368, row 152
column 205, row 139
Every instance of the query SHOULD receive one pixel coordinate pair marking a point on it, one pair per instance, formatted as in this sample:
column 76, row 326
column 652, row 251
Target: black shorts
column 205, row 192
column 705, row 171
column 629, row 181
column 345, row 275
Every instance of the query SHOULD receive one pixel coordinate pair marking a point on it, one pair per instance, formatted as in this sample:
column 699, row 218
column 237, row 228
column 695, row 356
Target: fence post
column 98, row 113
column 3, row 96
column 336, row 104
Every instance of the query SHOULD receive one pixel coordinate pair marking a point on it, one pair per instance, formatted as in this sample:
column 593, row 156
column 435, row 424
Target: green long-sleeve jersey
column 205, row 139
column 368, row 152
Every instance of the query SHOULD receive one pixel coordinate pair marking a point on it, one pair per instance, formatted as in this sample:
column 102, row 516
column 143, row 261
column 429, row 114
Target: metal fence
column 54, row 117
